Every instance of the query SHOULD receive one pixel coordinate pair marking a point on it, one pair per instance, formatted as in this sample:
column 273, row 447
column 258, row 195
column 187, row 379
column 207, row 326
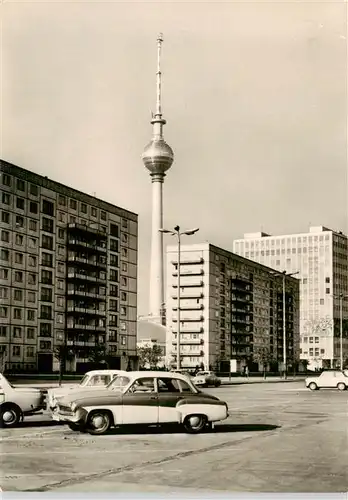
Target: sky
column 254, row 94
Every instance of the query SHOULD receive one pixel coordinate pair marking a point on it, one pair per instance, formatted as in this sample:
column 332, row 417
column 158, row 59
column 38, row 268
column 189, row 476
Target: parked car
column 17, row 402
column 142, row 398
column 92, row 380
column 328, row 379
column 206, row 379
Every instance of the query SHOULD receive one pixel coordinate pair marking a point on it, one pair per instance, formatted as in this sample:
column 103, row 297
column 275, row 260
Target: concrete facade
column 68, row 274
column 321, row 259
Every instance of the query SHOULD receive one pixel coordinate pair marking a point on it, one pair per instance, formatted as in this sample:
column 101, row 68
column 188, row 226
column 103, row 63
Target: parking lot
column 279, row 437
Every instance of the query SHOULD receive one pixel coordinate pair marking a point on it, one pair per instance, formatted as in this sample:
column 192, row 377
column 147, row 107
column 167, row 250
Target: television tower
column 158, row 158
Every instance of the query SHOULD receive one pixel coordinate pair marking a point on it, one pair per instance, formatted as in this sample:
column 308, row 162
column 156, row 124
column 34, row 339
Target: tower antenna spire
column 159, row 76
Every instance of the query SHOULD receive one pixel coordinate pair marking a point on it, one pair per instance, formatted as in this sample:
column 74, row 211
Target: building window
column 47, row 225
column 113, row 320
column 45, row 329
column 31, row 279
column 124, row 252
column 61, row 234
column 61, row 200
column 3, row 312
column 18, row 276
column 61, row 267
column 32, row 242
column 123, row 311
column 72, row 219
column 30, row 352
column 113, row 260
column 123, row 296
column 47, row 242
column 4, row 254
column 5, row 236
column 124, row 267
column 322, row 302
column 93, row 212
column 33, row 208
column 113, row 245
column 328, row 290
column 46, row 277
column 19, row 257
column 19, row 240
column 31, row 315
column 83, row 208
column 45, row 345
column 5, row 217
column 123, row 325
column 6, row 199
column 311, row 340
column 16, row 351
column 3, row 274
column 3, row 331
column 124, row 281
column 34, row 190
column 61, row 250
column 61, row 216
column 113, row 290
column 124, row 238
column 30, row 333
column 3, row 293
column 46, row 312
column 31, row 297
column 17, row 313
column 73, row 204
column 48, row 207
column 103, row 215
column 317, row 340
column 18, row 295
column 32, row 260
column 113, row 305
column 60, row 301
column 46, row 294
column 19, row 221
column 32, row 225
column 60, row 285
column 47, row 259
column 124, row 223
column 113, row 275
column 20, row 203
column 6, row 180
column 60, row 318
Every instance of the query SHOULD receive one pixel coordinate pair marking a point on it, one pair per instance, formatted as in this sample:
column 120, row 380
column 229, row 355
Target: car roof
column 155, row 374
column 105, row 372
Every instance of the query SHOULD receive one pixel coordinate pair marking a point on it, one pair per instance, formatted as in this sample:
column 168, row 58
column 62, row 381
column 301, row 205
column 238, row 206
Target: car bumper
column 77, row 417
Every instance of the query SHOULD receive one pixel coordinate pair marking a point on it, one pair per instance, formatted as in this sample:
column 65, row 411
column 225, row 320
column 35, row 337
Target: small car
column 17, row 402
column 206, row 379
column 142, row 398
column 93, row 379
column 328, row 379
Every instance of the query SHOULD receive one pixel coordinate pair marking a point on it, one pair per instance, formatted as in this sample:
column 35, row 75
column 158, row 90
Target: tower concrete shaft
column 158, row 157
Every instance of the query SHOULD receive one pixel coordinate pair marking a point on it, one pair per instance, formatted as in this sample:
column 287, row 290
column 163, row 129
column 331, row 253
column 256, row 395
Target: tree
column 97, row 354
column 263, row 354
column 149, row 355
column 63, row 354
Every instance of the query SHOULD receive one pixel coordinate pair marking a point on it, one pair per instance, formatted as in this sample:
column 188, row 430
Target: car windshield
column 119, row 382
column 84, row 379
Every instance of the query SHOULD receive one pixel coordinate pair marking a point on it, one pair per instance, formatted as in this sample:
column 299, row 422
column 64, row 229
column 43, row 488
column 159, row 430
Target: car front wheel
column 9, row 416
column 195, row 423
column 341, row 386
column 98, row 423
column 313, row 386
column 74, row 427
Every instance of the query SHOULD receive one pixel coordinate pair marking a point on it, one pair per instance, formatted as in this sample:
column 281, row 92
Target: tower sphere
column 158, row 156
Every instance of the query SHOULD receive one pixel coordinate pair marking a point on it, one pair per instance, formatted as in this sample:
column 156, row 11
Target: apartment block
column 68, row 276
column 231, row 308
column 320, row 257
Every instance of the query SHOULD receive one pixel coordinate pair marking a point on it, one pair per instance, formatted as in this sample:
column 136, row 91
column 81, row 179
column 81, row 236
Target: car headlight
column 73, row 406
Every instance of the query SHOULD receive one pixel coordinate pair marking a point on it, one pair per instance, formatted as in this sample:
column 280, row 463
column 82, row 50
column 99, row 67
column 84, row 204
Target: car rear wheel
column 195, row 423
column 341, row 386
column 9, row 416
column 217, row 383
column 313, row 386
column 98, row 423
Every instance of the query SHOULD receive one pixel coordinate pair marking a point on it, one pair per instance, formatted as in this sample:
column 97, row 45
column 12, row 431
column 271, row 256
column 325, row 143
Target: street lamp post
column 178, row 235
column 284, row 274
column 341, row 296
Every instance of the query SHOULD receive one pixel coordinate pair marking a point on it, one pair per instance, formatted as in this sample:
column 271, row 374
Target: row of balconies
column 75, row 275
column 89, row 246
column 94, row 262
column 88, row 326
column 84, row 293
column 86, row 310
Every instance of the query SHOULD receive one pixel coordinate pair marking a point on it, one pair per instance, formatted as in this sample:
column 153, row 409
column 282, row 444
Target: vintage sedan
column 206, row 379
column 94, row 379
column 336, row 379
column 142, row 398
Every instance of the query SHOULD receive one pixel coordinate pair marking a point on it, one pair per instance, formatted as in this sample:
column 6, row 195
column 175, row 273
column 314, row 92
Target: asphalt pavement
column 278, row 438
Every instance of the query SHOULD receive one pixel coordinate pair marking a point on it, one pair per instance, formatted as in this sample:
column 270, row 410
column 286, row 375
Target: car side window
column 119, row 382
column 99, row 380
column 142, row 385
column 185, row 387
column 168, row 385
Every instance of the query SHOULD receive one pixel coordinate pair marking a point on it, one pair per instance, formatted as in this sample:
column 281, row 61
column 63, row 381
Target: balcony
column 190, row 353
column 189, row 341
column 83, row 293
column 197, row 272
column 86, row 310
column 188, row 285
column 194, row 307
column 194, row 294
column 87, row 246
column 241, row 298
column 198, row 260
column 86, row 262
column 192, row 320
column 85, row 327
column 189, row 329
column 75, row 276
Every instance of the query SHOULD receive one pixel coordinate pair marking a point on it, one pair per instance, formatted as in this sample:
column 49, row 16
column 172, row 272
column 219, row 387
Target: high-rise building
column 321, row 259
column 158, row 158
column 231, row 308
column 68, row 276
